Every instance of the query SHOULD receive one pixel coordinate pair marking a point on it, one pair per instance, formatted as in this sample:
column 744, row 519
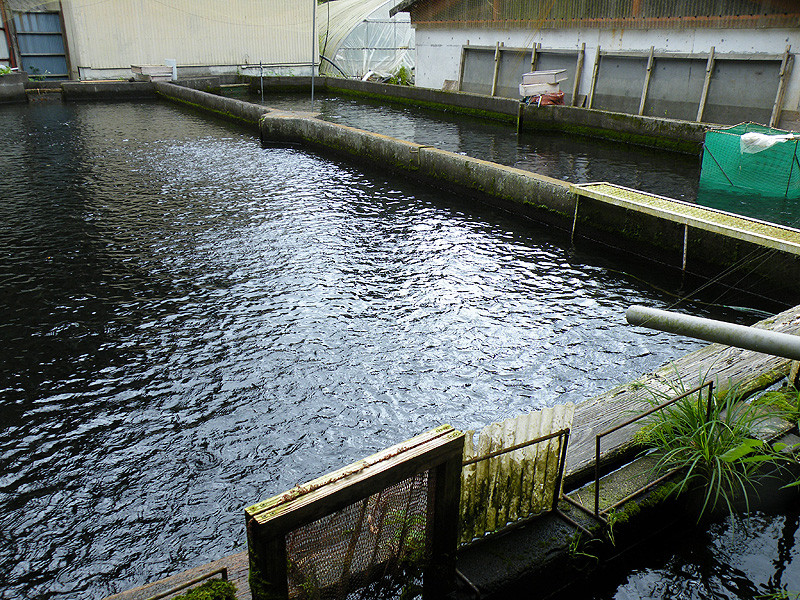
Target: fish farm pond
column 192, row 323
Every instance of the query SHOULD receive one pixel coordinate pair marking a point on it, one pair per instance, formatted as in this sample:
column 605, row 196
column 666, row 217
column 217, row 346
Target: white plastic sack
column 751, row 143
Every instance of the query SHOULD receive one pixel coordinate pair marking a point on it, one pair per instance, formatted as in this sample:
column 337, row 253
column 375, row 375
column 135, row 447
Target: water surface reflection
column 192, row 323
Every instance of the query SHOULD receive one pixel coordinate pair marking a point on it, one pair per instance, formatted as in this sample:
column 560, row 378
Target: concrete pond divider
column 523, row 192
column 12, row 88
column 228, row 108
column 673, row 236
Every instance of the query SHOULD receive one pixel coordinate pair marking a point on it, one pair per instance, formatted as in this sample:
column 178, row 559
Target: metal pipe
column 739, row 336
column 314, row 46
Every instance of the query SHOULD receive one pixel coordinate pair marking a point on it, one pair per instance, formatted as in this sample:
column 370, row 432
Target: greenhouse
column 358, row 38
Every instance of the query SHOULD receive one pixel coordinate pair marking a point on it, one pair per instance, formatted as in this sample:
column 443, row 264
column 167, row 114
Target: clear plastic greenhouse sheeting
column 369, row 42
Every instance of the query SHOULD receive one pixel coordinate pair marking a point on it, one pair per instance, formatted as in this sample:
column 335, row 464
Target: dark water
column 755, row 559
column 191, row 323
column 570, row 158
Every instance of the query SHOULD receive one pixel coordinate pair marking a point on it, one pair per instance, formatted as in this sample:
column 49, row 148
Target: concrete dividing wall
column 502, row 109
column 229, row 108
column 672, row 134
column 520, row 192
column 12, row 88
column 108, row 90
column 682, row 136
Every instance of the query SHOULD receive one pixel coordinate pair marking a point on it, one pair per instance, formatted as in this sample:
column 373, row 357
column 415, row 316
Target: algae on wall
column 501, row 490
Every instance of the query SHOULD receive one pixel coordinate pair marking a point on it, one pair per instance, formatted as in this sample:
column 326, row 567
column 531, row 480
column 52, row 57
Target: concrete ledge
column 626, row 229
column 522, row 192
column 501, row 109
column 107, row 90
column 12, row 88
column 211, row 83
column 228, row 108
column 671, row 134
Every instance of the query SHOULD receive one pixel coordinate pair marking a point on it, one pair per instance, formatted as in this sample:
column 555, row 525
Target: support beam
column 578, row 72
column 646, row 85
column 461, row 67
column 496, row 73
column 783, row 76
column 706, row 84
column 595, row 68
column 535, row 55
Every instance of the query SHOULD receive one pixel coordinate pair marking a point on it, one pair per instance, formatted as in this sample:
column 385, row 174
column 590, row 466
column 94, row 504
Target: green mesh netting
column 772, row 171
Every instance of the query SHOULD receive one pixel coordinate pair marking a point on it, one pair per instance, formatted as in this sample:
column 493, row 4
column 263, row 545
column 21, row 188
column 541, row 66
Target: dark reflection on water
column 191, row 323
column 575, row 159
column 757, row 559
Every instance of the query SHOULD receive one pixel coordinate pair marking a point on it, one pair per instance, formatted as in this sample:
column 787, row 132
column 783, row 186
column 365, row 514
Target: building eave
column 403, row 6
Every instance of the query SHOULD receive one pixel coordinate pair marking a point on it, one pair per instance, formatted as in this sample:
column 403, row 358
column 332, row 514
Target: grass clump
column 713, row 449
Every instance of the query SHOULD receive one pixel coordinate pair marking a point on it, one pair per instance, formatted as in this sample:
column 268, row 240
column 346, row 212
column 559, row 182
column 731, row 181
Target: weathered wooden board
column 726, row 366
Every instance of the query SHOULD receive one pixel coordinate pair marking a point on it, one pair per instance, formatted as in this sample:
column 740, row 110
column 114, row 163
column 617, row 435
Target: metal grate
column 377, row 546
column 380, row 527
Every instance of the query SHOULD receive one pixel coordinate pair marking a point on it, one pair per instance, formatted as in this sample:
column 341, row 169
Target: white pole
column 313, row 46
column 729, row 334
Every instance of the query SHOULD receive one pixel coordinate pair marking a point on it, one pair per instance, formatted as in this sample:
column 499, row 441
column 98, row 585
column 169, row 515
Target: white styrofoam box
column 543, row 77
column 152, row 72
column 533, row 89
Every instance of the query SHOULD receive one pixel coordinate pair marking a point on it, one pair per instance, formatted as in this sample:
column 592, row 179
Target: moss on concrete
column 207, row 109
column 437, row 106
column 639, row 139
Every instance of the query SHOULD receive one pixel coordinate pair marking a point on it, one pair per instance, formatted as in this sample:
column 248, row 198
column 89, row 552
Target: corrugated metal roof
column 632, row 14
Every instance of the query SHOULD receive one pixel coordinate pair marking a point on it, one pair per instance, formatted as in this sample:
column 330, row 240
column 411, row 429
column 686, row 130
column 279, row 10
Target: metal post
column 261, row 75
column 313, row 46
column 729, row 334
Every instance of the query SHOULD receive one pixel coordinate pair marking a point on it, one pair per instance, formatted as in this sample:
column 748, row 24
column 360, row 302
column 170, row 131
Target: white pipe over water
column 739, row 336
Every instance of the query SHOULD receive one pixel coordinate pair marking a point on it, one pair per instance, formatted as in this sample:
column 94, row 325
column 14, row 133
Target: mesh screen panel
column 372, row 548
column 773, row 172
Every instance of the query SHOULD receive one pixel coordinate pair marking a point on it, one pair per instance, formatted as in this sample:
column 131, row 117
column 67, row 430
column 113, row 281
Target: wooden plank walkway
column 749, row 371
column 759, row 232
column 726, row 366
column 238, row 566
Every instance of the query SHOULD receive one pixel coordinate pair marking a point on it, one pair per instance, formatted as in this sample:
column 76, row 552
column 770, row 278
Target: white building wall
column 439, row 49
column 106, row 38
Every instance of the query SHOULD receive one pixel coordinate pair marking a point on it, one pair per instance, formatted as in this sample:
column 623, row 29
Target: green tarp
column 751, row 158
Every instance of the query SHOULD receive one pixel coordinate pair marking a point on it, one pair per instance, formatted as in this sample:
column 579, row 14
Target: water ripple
column 192, row 323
